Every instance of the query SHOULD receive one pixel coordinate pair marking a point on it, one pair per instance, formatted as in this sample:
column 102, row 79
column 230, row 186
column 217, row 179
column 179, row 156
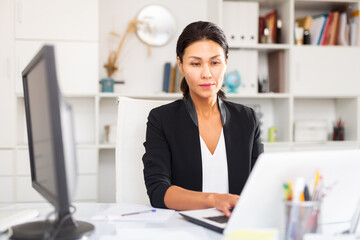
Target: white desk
column 87, row 210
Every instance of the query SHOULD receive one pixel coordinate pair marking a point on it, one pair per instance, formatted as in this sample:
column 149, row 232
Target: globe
column 233, row 81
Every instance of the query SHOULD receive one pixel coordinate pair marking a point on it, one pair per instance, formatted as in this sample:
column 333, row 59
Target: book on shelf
column 172, row 78
column 334, row 29
column 261, row 28
column 269, row 28
column 316, row 28
column 325, row 33
column 271, row 19
column 167, row 73
column 354, row 28
column 179, row 76
column 276, row 62
column 343, row 31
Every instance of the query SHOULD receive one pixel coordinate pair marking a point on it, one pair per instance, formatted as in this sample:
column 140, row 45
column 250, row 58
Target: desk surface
column 107, row 229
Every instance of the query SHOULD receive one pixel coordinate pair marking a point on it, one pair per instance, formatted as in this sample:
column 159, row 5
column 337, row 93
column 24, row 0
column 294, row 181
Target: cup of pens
column 302, row 208
column 301, row 218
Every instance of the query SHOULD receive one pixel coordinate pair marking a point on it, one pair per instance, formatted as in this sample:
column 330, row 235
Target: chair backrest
column 131, row 130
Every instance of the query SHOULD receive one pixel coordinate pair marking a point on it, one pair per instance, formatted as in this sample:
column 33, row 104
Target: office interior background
column 307, row 97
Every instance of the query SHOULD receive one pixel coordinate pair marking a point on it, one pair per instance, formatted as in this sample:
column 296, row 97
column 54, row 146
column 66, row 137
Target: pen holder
column 301, row 218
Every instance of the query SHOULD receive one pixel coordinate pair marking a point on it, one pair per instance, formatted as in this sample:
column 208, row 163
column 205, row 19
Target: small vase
column 107, row 85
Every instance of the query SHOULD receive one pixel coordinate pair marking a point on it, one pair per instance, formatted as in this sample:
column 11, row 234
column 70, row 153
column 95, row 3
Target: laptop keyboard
column 219, row 219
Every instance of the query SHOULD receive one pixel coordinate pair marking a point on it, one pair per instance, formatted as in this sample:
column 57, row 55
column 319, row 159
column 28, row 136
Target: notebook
column 260, row 205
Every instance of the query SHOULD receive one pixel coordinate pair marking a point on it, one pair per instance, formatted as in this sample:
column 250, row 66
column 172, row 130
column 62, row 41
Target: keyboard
column 219, row 219
column 10, row 218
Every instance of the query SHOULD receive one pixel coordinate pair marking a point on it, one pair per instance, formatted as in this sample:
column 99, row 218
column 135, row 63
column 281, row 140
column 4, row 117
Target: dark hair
column 194, row 32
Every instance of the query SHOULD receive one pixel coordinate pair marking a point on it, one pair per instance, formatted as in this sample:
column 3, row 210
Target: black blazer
column 173, row 153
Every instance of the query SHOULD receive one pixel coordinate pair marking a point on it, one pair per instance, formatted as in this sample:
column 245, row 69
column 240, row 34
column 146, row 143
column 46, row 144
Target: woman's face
column 204, row 65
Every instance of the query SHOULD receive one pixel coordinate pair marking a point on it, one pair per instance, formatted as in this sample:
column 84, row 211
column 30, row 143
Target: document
column 134, row 212
column 158, row 234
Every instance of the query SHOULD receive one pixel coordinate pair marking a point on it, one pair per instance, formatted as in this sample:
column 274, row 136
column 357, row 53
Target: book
column 325, row 35
column 316, row 29
column 178, row 78
column 343, row 32
column 354, row 28
column 271, row 25
column 261, row 29
column 334, row 29
column 172, row 79
column 276, row 62
column 167, row 73
column 323, row 28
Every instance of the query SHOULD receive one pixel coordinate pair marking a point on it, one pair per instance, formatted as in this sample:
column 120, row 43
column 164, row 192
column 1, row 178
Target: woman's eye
column 215, row 63
column 195, row 64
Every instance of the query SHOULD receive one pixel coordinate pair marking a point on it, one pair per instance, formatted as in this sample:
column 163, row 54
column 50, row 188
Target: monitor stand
column 36, row 230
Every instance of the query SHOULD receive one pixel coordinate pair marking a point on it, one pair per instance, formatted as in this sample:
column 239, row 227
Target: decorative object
column 107, row 85
column 233, row 81
column 110, row 133
column 339, row 131
column 272, row 134
column 111, row 65
column 156, row 25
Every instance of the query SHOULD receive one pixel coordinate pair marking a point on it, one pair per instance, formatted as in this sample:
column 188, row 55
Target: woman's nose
column 206, row 73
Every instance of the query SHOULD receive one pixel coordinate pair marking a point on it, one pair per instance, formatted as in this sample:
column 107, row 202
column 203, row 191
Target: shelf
column 327, row 47
column 258, row 95
column 262, row 47
column 322, row 5
column 179, row 95
column 161, row 95
column 327, row 144
column 324, row 96
column 71, row 95
column 107, row 146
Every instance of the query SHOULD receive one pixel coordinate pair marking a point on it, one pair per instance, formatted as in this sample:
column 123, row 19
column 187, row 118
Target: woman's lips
column 207, row 85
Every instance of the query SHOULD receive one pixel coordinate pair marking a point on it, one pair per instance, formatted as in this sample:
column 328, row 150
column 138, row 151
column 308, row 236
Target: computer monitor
column 51, row 149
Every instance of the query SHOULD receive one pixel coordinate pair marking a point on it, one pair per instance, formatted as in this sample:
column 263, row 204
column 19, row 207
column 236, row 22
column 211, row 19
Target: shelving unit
column 76, row 44
column 321, row 82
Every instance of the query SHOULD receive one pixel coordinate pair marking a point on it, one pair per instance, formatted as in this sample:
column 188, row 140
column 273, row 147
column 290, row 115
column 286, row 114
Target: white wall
column 143, row 74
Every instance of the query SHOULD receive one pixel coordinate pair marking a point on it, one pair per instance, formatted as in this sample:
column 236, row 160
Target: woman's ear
column 180, row 66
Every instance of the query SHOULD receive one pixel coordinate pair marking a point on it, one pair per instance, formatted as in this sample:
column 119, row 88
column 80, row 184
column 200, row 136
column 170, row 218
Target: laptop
column 261, row 206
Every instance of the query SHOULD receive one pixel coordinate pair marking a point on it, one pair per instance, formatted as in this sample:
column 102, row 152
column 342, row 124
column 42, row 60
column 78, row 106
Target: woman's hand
column 224, row 202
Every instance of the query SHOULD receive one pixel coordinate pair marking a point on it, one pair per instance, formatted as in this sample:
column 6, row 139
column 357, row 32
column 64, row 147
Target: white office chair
column 131, row 129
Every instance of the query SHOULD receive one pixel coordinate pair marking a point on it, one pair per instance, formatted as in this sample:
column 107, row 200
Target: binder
column 276, row 61
column 240, row 23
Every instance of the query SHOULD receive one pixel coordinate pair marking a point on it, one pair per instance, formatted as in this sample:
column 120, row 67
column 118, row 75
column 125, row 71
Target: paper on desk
column 114, row 213
column 157, row 234
column 253, row 235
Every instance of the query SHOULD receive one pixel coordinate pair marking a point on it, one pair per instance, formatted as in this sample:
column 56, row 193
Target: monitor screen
column 51, row 150
column 43, row 157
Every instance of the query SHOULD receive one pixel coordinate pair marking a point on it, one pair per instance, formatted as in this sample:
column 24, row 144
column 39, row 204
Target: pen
column 133, row 213
column 306, row 193
column 317, row 177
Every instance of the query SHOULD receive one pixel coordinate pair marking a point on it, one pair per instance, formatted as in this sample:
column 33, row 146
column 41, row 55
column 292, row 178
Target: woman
column 199, row 151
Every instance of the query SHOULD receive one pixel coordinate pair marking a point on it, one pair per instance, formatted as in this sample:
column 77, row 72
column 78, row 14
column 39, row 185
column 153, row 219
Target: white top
column 214, row 167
